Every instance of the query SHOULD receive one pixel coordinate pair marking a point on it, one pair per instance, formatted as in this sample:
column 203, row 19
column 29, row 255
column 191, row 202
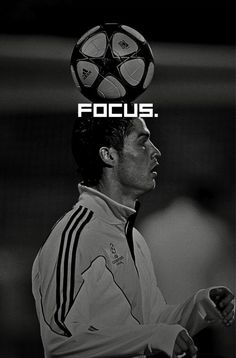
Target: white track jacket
column 95, row 289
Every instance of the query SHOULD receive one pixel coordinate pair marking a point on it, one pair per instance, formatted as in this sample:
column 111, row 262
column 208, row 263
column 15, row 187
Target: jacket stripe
column 58, row 274
column 73, row 260
column 63, row 290
column 66, row 263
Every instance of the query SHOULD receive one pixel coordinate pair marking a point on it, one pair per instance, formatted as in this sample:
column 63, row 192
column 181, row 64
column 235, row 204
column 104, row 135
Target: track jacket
column 95, row 289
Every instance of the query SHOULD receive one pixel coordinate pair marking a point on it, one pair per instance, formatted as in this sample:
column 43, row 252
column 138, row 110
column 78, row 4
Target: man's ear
column 108, row 155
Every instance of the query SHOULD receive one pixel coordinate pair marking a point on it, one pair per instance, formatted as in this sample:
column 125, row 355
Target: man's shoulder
column 80, row 231
column 83, row 222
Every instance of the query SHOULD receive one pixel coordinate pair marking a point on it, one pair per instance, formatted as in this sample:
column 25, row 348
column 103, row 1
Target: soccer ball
column 111, row 63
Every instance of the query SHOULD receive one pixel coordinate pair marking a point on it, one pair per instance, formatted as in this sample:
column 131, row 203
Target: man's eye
column 143, row 142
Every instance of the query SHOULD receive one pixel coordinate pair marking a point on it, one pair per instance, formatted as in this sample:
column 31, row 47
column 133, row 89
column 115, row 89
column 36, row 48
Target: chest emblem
column 116, row 258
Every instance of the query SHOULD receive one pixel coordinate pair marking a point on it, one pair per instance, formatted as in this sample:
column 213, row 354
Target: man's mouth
column 154, row 169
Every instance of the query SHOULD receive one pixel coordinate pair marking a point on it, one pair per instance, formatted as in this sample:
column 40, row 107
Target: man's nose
column 156, row 152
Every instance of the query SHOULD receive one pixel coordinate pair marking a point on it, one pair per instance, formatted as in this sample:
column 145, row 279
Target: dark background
column 210, row 22
column 193, row 91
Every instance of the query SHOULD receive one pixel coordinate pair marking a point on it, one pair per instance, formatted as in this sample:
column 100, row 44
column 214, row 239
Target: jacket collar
column 104, row 207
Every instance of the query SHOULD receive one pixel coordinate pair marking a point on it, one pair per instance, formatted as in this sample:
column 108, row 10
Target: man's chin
column 153, row 184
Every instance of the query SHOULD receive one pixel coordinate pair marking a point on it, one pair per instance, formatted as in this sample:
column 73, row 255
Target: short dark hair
column 89, row 135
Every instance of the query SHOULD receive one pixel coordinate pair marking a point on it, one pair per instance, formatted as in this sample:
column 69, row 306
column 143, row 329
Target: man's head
column 119, row 149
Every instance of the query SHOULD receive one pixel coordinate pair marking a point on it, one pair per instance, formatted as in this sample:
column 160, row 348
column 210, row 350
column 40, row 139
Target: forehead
column 139, row 127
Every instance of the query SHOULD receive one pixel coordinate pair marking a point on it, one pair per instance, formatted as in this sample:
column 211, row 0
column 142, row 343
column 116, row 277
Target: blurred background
column 189, row 220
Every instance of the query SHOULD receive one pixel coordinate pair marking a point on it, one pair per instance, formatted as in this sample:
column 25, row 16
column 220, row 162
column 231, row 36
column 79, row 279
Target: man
column 93, row 281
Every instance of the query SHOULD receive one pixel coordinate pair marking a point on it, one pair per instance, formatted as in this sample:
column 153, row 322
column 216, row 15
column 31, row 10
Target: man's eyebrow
column 144, row 134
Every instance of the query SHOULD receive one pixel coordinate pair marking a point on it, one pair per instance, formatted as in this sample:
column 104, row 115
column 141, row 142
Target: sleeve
column 196, row 313
column 101, row 324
